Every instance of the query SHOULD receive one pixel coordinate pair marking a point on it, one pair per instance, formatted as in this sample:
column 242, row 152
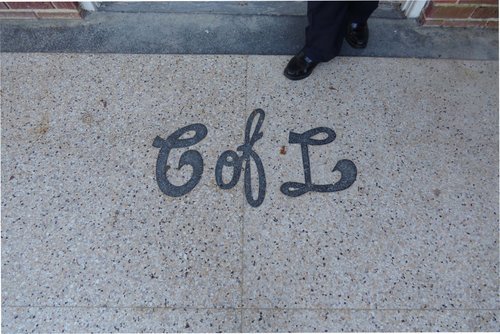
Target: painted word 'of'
column 233, row 160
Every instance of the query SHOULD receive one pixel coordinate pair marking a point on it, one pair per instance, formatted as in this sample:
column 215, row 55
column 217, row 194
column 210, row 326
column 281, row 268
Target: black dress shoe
column 357, row 35
column 299, row 67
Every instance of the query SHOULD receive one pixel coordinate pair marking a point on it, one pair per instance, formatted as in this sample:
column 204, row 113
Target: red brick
column 485, row 13
column 17, row 15
column 455, row 12
column 30, row 5
column 480, row 2
column 454, row 23
column 65, row 5
column 492, row 24
column 61, row 15
column 3, row 5
column 466, row 23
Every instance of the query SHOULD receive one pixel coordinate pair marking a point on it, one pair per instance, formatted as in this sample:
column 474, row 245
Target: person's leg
column 324, row 35
column 360, row 11
column 357, row 28
column 326, row 29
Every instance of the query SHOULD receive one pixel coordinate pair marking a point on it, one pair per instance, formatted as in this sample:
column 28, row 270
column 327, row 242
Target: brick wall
column 39, row 10
column 461, row 13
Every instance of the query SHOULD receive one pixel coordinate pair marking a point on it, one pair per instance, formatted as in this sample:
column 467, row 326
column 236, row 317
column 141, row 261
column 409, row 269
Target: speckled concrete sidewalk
column 91, row 243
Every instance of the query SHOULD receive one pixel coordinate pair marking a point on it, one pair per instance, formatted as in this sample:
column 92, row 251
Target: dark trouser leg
column 357, row 31
column 360, row 11
column 326, row 30
column 328, row 25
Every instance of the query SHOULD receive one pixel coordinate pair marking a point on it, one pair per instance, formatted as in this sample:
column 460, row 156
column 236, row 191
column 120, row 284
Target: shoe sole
column 299, row 77
column 357, row 46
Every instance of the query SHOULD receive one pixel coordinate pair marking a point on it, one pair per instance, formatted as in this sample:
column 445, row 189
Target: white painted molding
column 89, row 6
column 413, row 8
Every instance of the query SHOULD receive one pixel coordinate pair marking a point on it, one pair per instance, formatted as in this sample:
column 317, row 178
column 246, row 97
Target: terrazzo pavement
column 90, row 242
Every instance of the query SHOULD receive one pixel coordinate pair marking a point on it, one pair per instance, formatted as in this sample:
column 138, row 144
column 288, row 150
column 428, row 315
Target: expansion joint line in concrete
column 242, row 241
column 282, row 309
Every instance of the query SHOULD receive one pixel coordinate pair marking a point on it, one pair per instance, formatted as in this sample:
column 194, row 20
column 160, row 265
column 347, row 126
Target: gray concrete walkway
column 90, row 242
column 253, row 29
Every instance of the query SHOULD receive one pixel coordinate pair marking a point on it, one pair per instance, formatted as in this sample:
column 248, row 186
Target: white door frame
column 89, row 6
column 413, row 8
